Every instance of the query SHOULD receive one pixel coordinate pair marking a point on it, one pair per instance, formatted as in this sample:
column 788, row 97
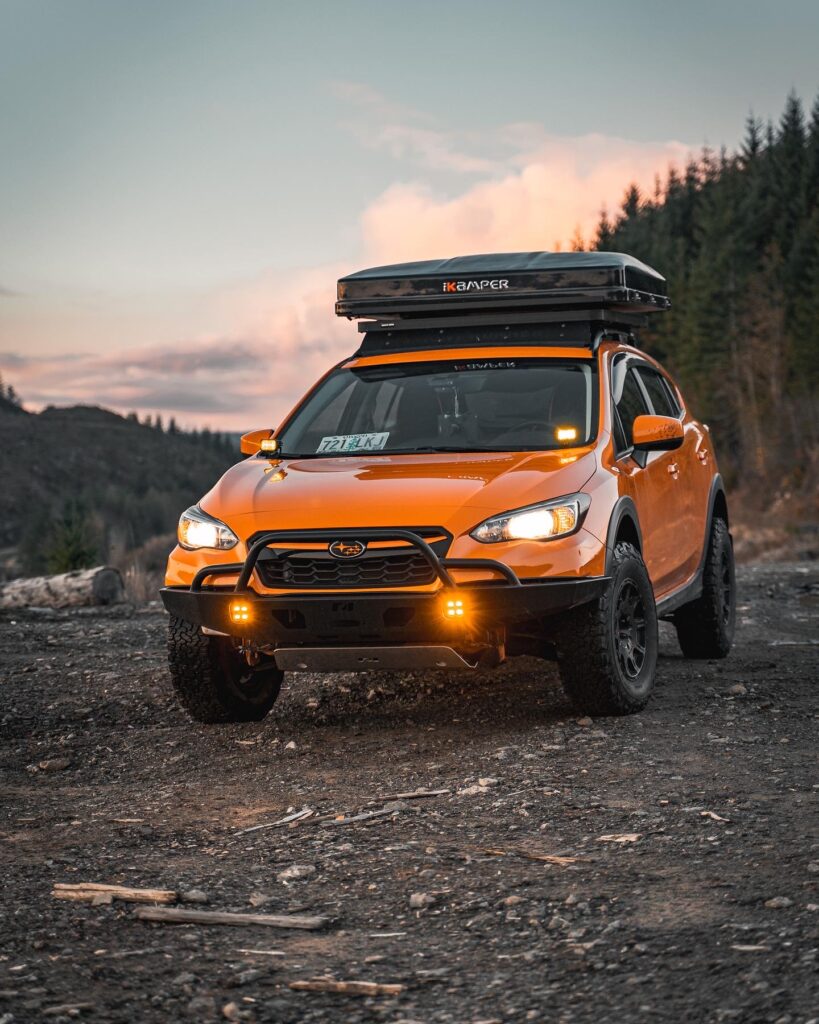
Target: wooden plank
column 180, row 915
column 86, row 892
column 346, row 988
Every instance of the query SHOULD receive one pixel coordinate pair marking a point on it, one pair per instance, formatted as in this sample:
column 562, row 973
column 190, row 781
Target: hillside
column 737, row 236
column 99, row 484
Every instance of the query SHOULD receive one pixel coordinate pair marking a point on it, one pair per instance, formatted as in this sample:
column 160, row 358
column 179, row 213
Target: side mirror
column 251, row 442
column 656, row 433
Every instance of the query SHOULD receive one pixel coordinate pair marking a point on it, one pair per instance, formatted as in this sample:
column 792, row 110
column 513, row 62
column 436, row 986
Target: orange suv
column 497, row 470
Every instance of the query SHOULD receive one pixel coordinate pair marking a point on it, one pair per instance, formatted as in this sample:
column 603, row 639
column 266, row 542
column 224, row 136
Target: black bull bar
column 361, row 617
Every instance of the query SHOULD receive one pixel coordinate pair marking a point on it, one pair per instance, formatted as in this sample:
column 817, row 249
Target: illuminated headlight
column 199, row 530
column 544, row 521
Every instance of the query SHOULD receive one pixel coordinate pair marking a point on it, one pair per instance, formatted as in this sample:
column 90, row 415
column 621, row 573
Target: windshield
column 478, row 405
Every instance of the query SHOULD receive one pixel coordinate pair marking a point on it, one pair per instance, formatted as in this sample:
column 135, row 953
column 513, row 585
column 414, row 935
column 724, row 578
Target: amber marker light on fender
column 240, row 612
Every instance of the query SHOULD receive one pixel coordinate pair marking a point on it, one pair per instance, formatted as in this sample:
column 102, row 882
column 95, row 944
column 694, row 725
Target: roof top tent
column 524, row 298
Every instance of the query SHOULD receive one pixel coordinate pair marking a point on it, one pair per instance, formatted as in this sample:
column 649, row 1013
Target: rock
column 813, row 867
column 194, row 896
column 296, row 871
column 246, row 977
column 201, row 1008
column 512, row 901
column 185, row 978
column 488, row 781
column 737, row 690
column 471, row 791
column 778, row 903
column 102, row 899
column 55, row 764
column 420, row 900
column 259, row 899
column 584, row 722
column 291, row 745
column 230, row 1011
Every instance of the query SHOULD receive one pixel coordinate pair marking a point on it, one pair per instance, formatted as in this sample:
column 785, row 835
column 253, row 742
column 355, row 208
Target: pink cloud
column 515, row 188
column 538, row 205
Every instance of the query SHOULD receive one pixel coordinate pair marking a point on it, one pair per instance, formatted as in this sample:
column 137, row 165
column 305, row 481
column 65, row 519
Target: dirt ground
column 688, row 893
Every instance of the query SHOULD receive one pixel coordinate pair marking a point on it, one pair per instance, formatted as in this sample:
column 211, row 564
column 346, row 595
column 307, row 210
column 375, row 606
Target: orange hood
column 449, row 490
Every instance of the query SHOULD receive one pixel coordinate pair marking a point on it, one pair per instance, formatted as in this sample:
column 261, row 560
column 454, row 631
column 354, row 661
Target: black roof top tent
column 526, row 298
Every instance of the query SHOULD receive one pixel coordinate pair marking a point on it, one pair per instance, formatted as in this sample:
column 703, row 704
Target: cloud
column 552, row 191
column 511, row 187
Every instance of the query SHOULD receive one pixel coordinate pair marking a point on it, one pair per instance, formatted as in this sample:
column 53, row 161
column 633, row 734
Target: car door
column 653, row 477
column 694, row 478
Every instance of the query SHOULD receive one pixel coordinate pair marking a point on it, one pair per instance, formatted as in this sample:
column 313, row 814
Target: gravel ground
column 688, row 890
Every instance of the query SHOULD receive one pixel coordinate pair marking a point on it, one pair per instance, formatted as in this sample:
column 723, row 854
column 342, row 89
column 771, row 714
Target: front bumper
column 384, row 617
column 342, row 618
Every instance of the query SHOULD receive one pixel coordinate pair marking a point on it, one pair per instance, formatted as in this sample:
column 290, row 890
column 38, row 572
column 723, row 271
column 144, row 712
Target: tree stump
column 81, row 588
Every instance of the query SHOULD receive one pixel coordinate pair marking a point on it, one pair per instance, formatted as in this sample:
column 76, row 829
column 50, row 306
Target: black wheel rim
column 630, row 626
column 726, row 588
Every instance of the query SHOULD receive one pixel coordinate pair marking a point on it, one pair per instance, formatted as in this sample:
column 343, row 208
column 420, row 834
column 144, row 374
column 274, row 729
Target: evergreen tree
column 72, row 544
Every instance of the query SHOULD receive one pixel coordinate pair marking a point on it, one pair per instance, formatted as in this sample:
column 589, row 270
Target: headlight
column 199, row 530
column 544, row 521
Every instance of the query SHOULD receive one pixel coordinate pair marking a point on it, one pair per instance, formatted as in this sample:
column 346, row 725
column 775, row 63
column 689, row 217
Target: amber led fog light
column 454, row 608
column 240, row 611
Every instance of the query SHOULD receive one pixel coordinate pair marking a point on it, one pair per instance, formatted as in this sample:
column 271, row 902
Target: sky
column 183, row 181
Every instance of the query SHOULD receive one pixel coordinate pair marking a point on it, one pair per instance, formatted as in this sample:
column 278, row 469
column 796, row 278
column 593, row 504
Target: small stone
column 185, row 978
column 102, row 899
column 471, row 791
column 230, row 1011
column 54, row 764
column 584, row 722
column 201, row 1008
column 296, row 871
column 245, row 977
column 291, row 745
column 194, row 896
column 779, row 903
column 737, row 690
column 258, row 899
column 420, row 900
column 512, row 901
column 487, row 781
column 813, row 867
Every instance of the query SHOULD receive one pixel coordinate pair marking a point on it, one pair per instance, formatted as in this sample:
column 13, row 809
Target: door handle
column 673, row 468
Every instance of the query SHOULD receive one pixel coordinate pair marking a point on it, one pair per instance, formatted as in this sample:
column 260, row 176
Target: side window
column 630, row 404
column 659, row 393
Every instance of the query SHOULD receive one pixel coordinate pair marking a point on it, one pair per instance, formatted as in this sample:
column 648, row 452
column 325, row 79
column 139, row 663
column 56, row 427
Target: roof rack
column 498, row 285
column 582, row 327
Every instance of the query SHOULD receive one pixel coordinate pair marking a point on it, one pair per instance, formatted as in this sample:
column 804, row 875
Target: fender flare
column 624, row 508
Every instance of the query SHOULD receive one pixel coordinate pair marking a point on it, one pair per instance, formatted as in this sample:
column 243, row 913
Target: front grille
column 317, row 570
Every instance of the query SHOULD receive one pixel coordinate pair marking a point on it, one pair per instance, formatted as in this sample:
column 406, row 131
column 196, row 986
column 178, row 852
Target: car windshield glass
column 467, row 405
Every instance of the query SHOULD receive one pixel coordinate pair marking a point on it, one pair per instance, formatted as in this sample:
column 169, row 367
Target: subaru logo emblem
column 347, row 548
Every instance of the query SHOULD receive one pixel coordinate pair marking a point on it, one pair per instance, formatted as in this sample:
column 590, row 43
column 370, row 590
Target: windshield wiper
column 434, row 449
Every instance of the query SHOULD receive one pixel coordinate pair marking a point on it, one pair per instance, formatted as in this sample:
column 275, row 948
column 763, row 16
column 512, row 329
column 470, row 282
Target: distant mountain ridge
column 126, row 480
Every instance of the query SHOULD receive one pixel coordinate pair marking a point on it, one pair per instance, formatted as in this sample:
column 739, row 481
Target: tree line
column 737, row 237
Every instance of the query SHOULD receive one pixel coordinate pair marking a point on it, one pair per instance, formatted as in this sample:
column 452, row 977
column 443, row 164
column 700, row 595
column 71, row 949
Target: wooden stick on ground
column 546, row 858
column 87, row 892
column 347, row 988
column 179, row 915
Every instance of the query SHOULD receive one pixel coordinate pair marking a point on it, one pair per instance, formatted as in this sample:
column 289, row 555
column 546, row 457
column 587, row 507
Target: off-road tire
column 592, row 643
column 212, row 679
column 705, row 627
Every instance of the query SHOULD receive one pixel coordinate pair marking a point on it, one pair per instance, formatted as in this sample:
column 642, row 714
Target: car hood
column 453, row 491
